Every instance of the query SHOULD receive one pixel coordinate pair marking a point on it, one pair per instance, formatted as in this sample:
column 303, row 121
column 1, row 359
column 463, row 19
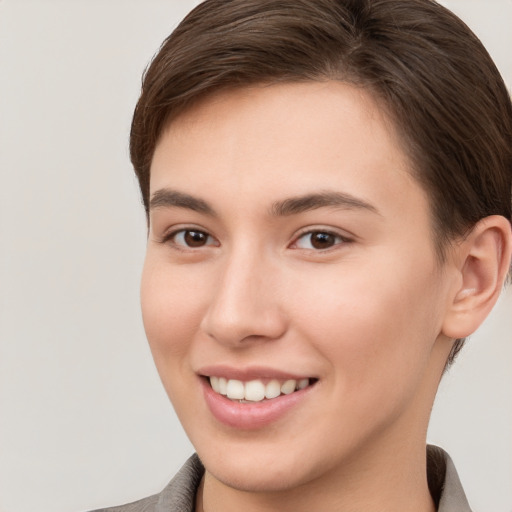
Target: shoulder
column 178, row 496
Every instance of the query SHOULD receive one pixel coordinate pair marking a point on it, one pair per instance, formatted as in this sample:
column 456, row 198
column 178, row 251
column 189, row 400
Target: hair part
column 431, row 74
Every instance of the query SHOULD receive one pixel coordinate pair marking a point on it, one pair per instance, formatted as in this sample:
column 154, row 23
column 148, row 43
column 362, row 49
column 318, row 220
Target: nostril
column 238, row 331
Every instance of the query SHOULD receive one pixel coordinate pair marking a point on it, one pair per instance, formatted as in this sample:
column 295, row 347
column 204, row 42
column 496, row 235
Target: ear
column 482, row 262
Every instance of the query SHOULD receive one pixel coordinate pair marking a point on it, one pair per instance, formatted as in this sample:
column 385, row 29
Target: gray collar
column 444, row 482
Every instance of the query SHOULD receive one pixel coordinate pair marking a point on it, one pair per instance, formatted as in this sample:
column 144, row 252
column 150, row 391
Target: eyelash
column 339, row 239
column 171, row 238
column 184, row 246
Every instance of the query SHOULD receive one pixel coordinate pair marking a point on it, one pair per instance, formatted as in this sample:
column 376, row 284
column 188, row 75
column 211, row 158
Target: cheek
column 171, row 312
column 375, row 329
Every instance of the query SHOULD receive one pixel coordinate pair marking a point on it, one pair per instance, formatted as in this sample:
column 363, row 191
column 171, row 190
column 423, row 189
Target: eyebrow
column 168, row 198
column 327, row 199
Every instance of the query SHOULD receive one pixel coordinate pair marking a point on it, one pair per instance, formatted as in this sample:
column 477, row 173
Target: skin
column 365, row 315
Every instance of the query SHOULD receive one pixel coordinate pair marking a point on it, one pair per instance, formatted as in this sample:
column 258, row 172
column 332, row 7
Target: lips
column 242, row 400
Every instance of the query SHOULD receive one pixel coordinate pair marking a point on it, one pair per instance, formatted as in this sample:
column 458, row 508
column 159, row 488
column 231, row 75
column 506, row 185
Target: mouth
column 257, row 390
column 253, row 398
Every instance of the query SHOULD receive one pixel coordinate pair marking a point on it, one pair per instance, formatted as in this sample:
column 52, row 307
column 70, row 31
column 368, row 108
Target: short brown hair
column 428, row 70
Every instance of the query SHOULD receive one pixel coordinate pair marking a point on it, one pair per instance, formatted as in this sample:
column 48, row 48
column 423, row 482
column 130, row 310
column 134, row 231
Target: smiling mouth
column 257, row 390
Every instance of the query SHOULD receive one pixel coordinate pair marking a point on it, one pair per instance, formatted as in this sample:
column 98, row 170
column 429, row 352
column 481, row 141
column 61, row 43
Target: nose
column 245, row 306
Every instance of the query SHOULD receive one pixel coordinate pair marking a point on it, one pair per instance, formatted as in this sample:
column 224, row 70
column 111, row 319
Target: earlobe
column 483, row 260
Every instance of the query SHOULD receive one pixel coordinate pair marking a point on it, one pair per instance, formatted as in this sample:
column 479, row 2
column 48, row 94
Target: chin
column 248, row 478
column 260, row 468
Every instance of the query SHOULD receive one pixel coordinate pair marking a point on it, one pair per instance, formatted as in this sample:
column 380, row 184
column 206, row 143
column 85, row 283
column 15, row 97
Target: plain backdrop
column 84, row 421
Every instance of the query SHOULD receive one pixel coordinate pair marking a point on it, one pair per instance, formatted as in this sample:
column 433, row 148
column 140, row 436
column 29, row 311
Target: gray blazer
column 180, row 493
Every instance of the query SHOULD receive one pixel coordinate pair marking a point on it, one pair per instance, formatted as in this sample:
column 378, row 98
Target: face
column 291, row 265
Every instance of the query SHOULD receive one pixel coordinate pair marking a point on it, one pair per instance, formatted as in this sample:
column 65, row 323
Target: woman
column 328, row 193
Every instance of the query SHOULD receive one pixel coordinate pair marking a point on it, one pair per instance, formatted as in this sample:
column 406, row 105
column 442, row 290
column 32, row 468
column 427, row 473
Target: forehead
column 260, row 144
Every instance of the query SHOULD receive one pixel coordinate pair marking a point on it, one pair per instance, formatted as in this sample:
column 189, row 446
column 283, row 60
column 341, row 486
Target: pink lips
column 250, row 415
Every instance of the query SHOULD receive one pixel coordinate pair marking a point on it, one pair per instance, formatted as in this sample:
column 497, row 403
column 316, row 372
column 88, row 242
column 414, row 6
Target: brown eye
column 322, row 240
column 195, row 238
column 318, row 240
column 191, row 238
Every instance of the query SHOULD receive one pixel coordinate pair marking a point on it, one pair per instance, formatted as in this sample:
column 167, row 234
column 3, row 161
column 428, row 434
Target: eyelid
column 329, row 231
column 169, row 237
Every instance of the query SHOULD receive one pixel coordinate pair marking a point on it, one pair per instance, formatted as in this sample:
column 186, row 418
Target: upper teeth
column 255, row 390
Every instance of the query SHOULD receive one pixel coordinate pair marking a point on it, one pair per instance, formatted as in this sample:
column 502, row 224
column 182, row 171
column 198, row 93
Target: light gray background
column 84, row 421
